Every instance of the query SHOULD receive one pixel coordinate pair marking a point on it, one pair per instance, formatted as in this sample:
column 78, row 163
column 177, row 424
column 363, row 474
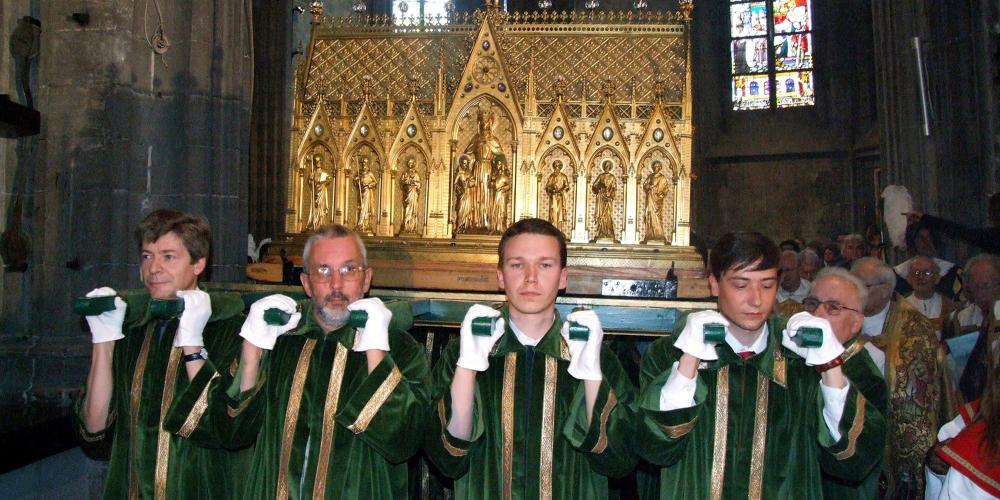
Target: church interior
column 645, row 130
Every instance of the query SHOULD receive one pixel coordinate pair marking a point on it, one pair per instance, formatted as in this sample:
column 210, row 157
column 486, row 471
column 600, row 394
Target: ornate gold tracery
column 510, row 92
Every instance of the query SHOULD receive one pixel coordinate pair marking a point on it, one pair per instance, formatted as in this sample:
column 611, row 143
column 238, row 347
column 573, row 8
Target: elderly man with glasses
column 839, row 297
column 923, row 276
column 335, row 409
column 921, row 396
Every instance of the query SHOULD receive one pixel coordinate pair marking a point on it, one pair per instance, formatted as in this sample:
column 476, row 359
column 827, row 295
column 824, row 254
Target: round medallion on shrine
column 364, row 131
column 486, row 45
column 468, row 87
column 411, row 130
column 607, row 133
column 658, row 135
column 557, row 133
column 501, row 87
column 318, row 130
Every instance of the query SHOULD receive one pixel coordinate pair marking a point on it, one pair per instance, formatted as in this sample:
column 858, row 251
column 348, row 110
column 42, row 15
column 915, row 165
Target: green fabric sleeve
column 449, row 453
column 387, row 409
column 862, row 438
column 607, row 439
column 661, row 435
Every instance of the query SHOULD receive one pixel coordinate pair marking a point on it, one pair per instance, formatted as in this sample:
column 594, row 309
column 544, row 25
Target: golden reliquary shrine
column 430, row 138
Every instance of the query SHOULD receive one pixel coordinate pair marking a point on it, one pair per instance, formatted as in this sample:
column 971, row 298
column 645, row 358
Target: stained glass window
column 771, row 48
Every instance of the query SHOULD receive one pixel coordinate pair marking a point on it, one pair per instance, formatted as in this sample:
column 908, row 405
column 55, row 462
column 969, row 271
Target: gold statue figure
column 557, row 187
column 483, row 149
column 319, row 186
column 605, row 188
column 367, row 182
column 465, row 184
column 501, row 196
column 409, row 182
column 656, row 187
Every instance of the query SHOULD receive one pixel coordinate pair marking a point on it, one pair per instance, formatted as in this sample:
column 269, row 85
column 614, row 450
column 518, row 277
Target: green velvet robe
column 861, row 371
column 323, row 426
column 530, row 437
column 763, row 414
column 148, row 461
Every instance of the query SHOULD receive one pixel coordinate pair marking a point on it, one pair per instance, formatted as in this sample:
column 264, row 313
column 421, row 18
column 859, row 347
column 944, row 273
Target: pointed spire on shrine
column 531, row 102
column 439, row 94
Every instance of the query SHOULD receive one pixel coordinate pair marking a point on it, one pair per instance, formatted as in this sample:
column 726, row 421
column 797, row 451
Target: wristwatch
column 202, row 354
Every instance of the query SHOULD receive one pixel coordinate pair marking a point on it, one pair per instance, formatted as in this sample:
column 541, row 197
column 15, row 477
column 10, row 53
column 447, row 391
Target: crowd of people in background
column 930, row 327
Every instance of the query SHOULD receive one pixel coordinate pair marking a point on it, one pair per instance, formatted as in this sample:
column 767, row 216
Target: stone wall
column 124, row 131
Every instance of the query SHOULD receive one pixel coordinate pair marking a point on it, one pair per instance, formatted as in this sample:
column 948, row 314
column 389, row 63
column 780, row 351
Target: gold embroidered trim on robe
column 453, row 451
column 856, row 427
column 972, row 468
column 759, row 440
column 721, row 426
column 548, row 428
column 140, row 369
column 292, row 417
column 779, row 367
column 602, row 438
column 329, row 427
column 163, row 437
column 676, row 431
column 197, row 410
column 367, row 413
column 853, row 350
column 507, row 421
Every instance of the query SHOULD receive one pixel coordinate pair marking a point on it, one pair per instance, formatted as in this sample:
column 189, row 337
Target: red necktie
column 746, row 355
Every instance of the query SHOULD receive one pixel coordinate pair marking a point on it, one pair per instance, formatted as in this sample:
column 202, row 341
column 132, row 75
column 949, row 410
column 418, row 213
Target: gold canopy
column 459, row 126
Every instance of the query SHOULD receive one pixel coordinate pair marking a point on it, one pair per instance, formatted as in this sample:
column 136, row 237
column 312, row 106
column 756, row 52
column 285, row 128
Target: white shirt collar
column 873, row 324
column 523, row 338
column 757, row 347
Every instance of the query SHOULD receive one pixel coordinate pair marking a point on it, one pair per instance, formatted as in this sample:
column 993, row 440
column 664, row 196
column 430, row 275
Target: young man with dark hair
column 527, row 411
column 334, row 410
column 755, row 415
column 141, row 362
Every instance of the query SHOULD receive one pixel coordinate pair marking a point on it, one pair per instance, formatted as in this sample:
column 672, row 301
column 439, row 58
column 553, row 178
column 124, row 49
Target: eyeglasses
column 922, row 274
column 832, row 306
column 323, row 274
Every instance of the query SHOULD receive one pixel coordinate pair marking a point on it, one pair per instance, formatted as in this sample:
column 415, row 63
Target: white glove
column 585, row 355
column 474, row 350
column 197, row 310
column 256, row 331
column 692, row 337
column 821, row 355
column 375, row 333
column 107, row 326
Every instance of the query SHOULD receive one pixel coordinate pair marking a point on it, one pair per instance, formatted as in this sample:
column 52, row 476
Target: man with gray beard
column 335, row 410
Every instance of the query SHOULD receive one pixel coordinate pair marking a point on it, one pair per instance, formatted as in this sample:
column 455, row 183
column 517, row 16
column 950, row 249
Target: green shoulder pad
column 225, row 305
column 402, row 314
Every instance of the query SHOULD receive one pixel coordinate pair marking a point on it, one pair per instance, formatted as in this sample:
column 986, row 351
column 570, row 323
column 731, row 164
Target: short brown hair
column 193, row 230
column 532, row 226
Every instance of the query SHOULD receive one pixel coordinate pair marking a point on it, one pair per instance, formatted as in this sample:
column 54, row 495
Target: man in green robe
column 142, row 362
column 755, row 415
column 528, row 412
column 335, row 411
column 839, row 297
